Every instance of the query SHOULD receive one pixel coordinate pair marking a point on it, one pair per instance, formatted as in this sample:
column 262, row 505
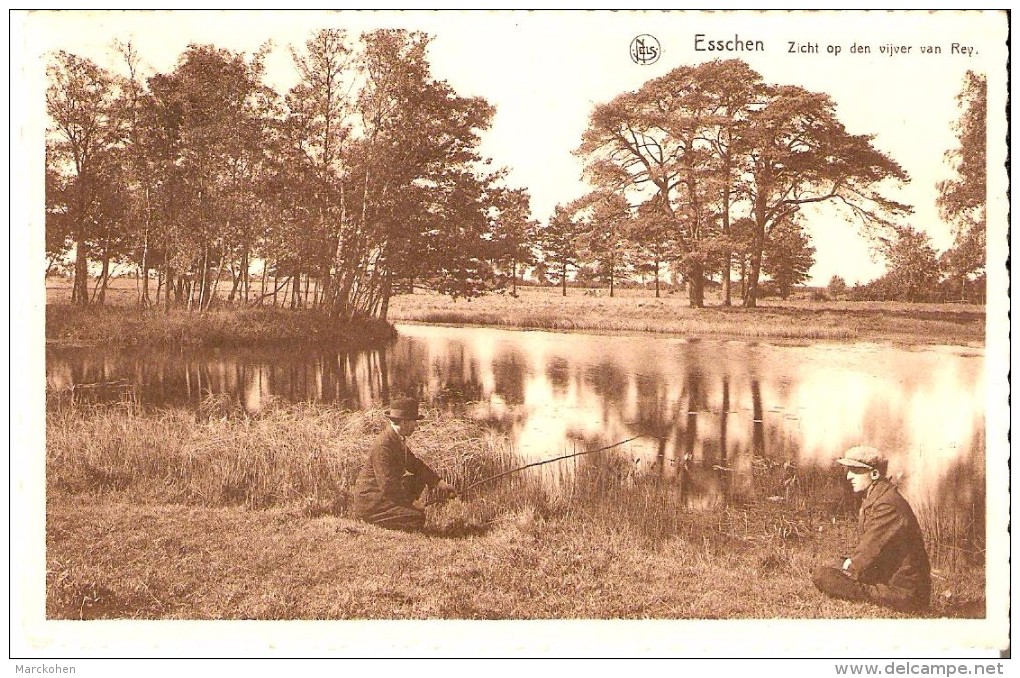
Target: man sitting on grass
column 392, row 478
column 890, row 564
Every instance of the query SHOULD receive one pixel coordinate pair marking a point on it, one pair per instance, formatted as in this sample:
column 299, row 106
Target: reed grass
column 220, row 456
column 229, row 326
column 166, row 490
column 306, row 457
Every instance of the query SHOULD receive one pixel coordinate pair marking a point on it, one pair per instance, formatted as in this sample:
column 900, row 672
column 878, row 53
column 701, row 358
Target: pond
column 714, row 408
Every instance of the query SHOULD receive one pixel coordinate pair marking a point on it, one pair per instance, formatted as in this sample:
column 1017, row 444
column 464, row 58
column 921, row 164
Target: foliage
column 837, row 287
column 962, row 199
column 707, row 144
column 788, row 256
column 913, row 270
column 365, row 175
column 558, row 240
column 84, row 132
column 603, row 222
column 514, row 235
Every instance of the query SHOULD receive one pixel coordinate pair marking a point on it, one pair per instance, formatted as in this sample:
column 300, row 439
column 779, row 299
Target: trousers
column 397, row 517
column 832, row 581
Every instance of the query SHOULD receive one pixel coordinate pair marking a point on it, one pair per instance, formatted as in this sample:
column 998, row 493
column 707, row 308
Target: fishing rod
column 546, row 461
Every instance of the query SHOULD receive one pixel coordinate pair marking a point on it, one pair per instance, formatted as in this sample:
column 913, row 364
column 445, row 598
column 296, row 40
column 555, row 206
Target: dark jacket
column 891, row 549
column 380, row 485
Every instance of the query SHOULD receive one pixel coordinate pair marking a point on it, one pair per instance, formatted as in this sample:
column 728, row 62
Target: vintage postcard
column 509, row 333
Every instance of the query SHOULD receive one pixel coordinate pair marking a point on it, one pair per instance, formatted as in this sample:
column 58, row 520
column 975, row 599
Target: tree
column 788, row 256
column 730, row 87
column 837, row 287
column 649, row 144
column 81, row 103
column 207, row 135
column 962, row 199
column 136, row 165
column 418, row 185
column 649, row 238
column 601, row 222
column 913, row 271
column 59, row 229
column 514, row 233
column 913, row 264
column 797, row 153
column 318, row 134
column 558, row 243
column 113, row 234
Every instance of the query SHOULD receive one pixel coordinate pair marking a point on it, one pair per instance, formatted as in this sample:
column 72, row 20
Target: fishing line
column 546, row 461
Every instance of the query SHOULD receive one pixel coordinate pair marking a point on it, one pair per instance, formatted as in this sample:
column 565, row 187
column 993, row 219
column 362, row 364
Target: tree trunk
column 657, row 264
column 743, row 277
column 215, row 284
column 80, row 286
column 246, row 280
column 386, row 290
column 728, row 257
column 757, row 249
column 143, row 299
column 203, row 282
column 751, row 292
column 563, row 279
column 169, row 282
column 104, row 279
column 696, row 285
column 265, row 274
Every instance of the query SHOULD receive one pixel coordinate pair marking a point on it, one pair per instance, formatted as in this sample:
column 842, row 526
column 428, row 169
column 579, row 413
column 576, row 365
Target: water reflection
column 707, row 411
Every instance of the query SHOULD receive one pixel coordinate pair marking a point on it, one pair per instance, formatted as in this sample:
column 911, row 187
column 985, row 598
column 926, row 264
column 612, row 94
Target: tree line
column 365, row 178
column 363, row 174
column 710, row 169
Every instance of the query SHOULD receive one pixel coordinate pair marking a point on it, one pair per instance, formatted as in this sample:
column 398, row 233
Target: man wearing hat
column 392, row 478
column 890, row 565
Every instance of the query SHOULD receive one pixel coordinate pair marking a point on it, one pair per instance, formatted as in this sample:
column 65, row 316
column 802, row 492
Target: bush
column 837, row 287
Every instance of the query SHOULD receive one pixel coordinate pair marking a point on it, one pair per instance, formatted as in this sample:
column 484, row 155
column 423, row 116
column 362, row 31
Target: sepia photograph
column 542, row 333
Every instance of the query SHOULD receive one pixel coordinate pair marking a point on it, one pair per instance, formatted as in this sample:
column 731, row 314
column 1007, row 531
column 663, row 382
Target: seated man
column 889, row 566
column 392, row 479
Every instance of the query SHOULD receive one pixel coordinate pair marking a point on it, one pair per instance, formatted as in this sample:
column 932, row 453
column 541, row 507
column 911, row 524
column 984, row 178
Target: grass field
column 640, row 311
column 174, row 514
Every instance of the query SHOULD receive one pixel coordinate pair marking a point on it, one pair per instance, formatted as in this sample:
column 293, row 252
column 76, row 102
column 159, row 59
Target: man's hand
column 846, row 567
column 445, row 490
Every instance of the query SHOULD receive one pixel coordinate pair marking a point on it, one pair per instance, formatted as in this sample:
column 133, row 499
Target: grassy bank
column 229, row 326
column 799, row 318
column 178, row 515
column 640, row 311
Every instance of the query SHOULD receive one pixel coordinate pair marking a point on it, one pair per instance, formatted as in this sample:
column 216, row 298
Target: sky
column 545, row 71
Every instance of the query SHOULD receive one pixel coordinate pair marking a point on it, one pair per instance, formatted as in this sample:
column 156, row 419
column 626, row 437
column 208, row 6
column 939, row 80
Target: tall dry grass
column 229, row 326
column 307, row 456
column 640, row 311
column 218, row 456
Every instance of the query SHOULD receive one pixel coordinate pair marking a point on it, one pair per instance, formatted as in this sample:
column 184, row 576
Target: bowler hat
column 403, row 409
column 863, row 458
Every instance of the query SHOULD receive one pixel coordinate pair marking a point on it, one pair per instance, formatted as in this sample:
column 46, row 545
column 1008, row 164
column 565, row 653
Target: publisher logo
column 645, row 49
